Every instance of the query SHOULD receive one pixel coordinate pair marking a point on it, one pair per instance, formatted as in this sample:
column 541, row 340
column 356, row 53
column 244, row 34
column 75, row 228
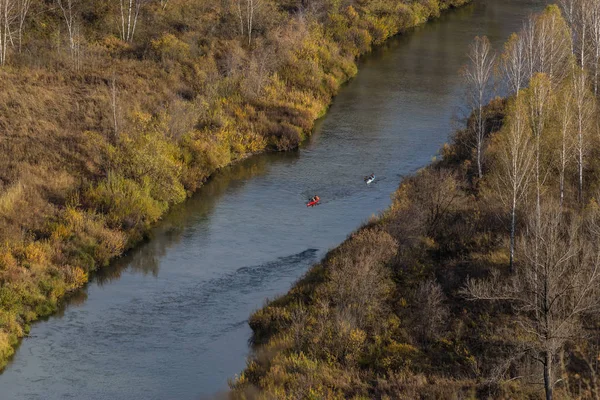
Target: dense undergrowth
column 384, row 315
column 380, row 317
column 102, row 133
column 425, row 302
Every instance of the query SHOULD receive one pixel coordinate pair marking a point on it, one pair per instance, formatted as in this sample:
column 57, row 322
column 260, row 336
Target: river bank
column 438, row 297
column 381, row 315
column 78, row 227
column 184, row 297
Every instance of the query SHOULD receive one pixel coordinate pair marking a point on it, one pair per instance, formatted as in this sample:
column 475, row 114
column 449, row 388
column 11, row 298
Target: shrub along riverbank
column 106, row 123
column 481, row 280
column 381, row 316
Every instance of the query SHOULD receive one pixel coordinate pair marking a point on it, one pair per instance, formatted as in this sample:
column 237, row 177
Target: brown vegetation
column 112, row 111
column 487, row 288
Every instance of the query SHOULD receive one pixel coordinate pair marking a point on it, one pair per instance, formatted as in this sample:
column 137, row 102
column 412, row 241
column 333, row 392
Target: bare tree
column 529, row 35
column 68, row 10
column 554, row 47
column 478, row 75
column 246, row 14
column 252, row 6
column 567, row 143
column 515, row 159
column 130, row 12
column 436, row 194
column 538, row 101
column 514, row 64
column 567, row 8
column 7, row 18
column 583, row 106
column 580, row 29
column 556, row 282
column 594, row 24
column 22, row 11
column 430, row 298
column 547, row 44
column 359, row 282
column 582, row 17
column 241, row 16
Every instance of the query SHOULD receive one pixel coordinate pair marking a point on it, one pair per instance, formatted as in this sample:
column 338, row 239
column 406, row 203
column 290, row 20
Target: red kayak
column 312, row 203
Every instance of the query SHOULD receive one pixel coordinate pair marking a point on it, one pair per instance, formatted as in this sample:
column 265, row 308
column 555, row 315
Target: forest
column 482, row 280
column 112, row 111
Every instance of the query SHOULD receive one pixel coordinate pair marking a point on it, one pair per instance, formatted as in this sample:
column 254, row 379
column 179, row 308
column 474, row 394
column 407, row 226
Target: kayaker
column 317, row 198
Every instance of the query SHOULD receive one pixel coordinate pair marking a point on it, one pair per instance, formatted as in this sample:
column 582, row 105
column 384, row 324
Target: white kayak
column 370, row 179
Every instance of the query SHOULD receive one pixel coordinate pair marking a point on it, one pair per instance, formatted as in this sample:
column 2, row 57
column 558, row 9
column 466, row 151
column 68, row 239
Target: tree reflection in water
column 145, row 258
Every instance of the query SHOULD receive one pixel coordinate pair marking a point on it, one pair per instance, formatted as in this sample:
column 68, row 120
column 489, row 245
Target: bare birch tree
column 567, row 138
column 539, row 103
column 580, row 29
column 252, row 7
column 556, row 282
column 583, row 107
column 478, row 75
column 567, row 8
column 7, row 18
column 246, row 11
column 594, row 47
column 554, row 44
column 513, row 64
column 529, row 35
column 240, row 16
column 22, row 11
column 547, row 44
column 68, row 11
column 130, row 13
column 515, row 159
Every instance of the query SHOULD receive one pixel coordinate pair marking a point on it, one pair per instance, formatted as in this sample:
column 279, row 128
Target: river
column 169, row 320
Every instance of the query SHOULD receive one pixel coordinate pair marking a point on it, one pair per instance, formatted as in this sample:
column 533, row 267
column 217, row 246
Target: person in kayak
column 372, row 176
column 314, row 199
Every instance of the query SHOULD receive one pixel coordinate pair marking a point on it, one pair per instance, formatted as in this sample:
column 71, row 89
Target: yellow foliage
column 9, row 198
column 35, row 252
column 6, row 347
column 60, row 233
column 7, row 260
column 75, row 278
column 169, row 47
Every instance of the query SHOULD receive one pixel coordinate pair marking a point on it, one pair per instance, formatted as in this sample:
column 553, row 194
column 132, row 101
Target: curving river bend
column 168, row 321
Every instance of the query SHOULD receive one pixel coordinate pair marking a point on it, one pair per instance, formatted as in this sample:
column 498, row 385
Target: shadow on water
column 145, row 257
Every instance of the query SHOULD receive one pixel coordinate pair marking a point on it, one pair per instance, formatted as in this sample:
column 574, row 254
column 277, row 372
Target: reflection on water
column 145, row 258
column 168, row 320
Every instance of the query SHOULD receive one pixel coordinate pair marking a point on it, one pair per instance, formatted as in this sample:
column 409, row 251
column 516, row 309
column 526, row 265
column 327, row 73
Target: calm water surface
column 168, row 321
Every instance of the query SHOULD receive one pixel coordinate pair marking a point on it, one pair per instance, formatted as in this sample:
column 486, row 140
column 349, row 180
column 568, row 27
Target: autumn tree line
column 483, row 278
column 544, row 173
column 111, row 111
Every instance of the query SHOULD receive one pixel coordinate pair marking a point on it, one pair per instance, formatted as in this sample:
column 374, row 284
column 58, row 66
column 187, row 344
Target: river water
column 169, row 320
